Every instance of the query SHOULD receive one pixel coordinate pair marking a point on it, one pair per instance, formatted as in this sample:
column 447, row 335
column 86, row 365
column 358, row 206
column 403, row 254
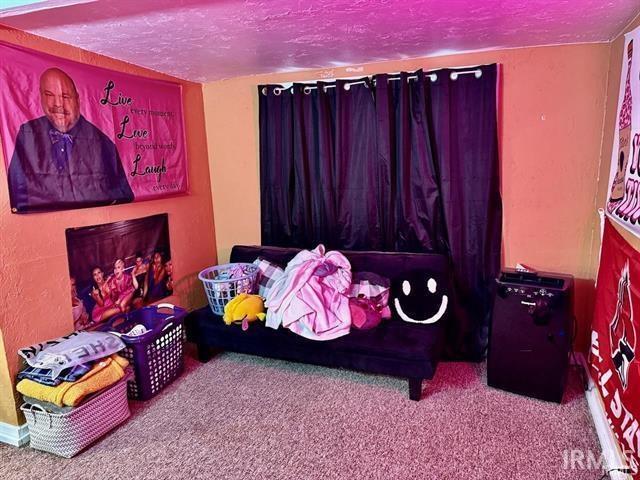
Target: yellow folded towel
column 103, row 374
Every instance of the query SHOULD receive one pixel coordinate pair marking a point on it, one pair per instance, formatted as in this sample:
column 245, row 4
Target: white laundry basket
column 221, row 289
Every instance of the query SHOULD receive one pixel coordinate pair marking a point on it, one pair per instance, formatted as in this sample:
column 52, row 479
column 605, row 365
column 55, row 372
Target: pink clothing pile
column 369, row 300
column 311, row 297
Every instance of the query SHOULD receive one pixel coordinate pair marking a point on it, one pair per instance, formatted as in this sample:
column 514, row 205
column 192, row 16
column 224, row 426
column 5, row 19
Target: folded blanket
column 103, row 374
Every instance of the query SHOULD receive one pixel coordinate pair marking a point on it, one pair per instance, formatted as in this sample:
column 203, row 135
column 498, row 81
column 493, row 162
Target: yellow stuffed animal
column 244, row 308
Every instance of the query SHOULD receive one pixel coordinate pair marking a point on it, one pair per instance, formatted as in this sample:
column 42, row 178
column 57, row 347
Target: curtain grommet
column 264, row 91
column 478, row 73
column 306, row 90
column 277, row 91
column 433, row 77
column 454, row 75
column 347, row 86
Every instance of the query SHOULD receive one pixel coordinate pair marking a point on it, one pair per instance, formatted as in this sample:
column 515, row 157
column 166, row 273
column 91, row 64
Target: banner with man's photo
column 75, row 135
column 615, row 340
column 118, row 267
column 623, row 201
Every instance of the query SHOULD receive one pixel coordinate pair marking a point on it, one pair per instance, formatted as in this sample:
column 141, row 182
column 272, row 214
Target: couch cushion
column 390, row 339
column 395, row 339
column 383, row 353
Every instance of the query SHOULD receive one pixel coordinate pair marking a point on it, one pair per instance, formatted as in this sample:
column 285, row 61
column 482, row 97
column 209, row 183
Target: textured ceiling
column 203, row 40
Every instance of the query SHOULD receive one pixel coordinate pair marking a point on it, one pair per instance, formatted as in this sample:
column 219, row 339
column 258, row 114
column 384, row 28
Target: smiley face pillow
column 420, row 297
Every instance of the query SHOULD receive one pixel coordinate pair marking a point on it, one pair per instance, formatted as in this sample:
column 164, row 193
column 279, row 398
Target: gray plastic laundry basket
column 69, row 433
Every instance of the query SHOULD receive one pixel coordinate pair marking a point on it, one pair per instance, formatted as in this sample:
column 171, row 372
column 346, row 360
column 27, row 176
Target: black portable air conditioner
column 531, row 334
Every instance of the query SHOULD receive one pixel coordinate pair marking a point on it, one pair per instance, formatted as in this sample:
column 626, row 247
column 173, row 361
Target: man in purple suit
column 61, row 160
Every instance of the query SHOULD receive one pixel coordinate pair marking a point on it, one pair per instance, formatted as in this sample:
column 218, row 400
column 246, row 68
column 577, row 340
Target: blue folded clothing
column 43, row 375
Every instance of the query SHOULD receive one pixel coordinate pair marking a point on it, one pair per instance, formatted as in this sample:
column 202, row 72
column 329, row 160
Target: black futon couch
column 395, row 347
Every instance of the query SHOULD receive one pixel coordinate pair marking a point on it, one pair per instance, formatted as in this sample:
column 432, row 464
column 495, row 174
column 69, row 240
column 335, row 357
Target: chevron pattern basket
column 69, row 433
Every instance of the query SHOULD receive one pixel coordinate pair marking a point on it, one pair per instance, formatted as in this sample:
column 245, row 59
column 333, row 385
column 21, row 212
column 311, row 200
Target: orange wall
column 34, row 282
column 552, row 120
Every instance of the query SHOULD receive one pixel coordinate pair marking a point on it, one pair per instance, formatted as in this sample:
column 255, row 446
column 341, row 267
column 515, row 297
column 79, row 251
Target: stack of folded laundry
column 65, row 375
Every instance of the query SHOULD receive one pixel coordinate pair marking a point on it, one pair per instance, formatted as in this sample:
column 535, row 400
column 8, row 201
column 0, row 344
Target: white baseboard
column 613, row 456
column 16, row 436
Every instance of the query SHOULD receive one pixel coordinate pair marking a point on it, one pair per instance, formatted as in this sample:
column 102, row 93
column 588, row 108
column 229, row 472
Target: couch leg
column 204, row 353
column 415, row 388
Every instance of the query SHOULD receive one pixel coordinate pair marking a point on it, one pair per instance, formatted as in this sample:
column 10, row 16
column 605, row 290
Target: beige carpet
column 242, row 417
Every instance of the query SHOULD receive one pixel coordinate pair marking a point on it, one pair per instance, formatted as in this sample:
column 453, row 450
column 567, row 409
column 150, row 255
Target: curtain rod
column 432, row 76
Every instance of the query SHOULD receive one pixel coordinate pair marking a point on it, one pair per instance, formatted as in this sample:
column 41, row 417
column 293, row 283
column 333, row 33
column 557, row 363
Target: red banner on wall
column 615, row 349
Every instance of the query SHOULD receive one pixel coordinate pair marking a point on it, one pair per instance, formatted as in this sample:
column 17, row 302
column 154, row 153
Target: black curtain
column 404, row 162
column 465, row 139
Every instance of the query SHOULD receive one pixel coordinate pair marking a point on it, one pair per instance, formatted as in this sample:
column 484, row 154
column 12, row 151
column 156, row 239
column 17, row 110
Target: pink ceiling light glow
column 204, row 40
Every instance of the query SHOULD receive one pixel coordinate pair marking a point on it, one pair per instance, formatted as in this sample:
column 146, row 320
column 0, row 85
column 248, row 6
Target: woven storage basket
column 69, row 433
